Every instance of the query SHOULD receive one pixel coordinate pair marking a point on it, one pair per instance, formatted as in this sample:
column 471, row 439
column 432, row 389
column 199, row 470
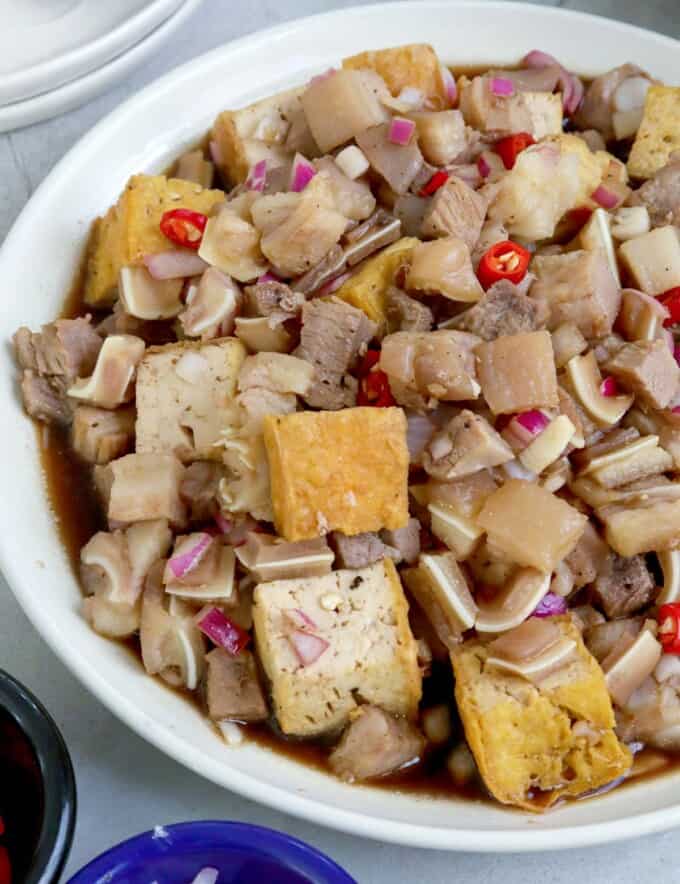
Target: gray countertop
column 124, row 784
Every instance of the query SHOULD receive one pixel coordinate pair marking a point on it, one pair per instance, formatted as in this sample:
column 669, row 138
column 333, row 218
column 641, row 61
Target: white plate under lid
column 144, row 134
column 46, row 43
column 77, row 92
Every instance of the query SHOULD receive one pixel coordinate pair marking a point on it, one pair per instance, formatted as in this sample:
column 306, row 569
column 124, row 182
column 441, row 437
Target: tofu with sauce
column 185, row 394
column 363, row 616
column 415, row 65
column 534, row 743
column 131, row 229
column 338, row 471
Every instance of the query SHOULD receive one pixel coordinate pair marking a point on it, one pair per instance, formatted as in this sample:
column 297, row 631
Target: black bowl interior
column 41, row 797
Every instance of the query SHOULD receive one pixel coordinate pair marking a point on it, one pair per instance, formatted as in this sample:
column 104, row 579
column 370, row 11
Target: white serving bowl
column 37, row 264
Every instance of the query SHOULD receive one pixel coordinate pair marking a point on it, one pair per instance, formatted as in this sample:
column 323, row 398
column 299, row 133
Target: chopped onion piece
column 182, row 564
column 297, row 618
column 609, row 387
column 257, row 176
column 534, row 421
column 411, row 96
column 222, row 631
column 605, row 198
column 550, row 606
column 631, row 94
column 569, row 84
column 352, row 162
column 483, row 166
column 174, row 264
column 308, row 647
column 301, row 173
column 502, row 86
column 450, row 86
column 401, row 131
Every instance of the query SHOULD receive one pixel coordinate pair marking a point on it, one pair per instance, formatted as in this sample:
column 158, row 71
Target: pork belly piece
column 99, row 435
column 517, row 372
column 232, row 688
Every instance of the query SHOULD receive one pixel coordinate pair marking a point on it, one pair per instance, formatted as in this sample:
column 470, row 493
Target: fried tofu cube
column 530, row 525
column 130, row 229
column 415, row 65
column 141, row 487
column 658, row 134
column 363, row 616
column 185, row 397
column 517, row 372
column 367, row 289
column 534, row 743
column 257, row 132
column 653, row 259
column 338, row 471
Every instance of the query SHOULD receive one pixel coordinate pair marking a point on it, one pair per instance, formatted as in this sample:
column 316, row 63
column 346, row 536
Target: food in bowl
column 393, row 406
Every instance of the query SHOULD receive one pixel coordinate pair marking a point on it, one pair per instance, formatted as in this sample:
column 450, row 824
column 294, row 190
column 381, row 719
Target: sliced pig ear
column 146, row 297
column 108, row 553
column 111, row 381
column 110, row 619
column 212, row 305
column 515, row 603
column 269, row 560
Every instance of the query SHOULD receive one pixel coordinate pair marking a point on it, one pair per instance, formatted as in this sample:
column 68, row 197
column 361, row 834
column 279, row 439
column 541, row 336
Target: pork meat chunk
column 456, row 210
column 649, row 370
column 502, row 310
column 467, row 444
column 67, row 348
column 405, row 313
column 358, row 550
column 578, row 287
column 45, row 398
column 199, row 489
column 274, row 299
column 333, row 334
column 232, row 688
column 375, row 744
column 100, row 435
column 625, row 587
column 661, row 194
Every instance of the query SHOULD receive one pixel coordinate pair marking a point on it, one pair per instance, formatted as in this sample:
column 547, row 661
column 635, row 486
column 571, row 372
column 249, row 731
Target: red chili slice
column 669, row 627
column 509, row 148
column 5, row 867
column 504, row 260
column 671, row 301
column 184, row 227
column 438, row 179
column 374, row 386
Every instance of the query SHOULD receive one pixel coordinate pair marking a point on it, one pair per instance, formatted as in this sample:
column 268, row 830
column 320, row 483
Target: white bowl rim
column 413, row 834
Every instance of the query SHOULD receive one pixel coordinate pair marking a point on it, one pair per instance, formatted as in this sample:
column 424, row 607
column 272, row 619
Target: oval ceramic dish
column 143, row 135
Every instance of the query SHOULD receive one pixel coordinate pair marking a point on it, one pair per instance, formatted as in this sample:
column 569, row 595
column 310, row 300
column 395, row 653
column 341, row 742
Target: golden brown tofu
column 130, row 229
column 517, row 372
column 363, row 616
column 659, row 133
column 530, row 525
column 367, row 289
column 413, row 65
column 338, row 471
column 534, row 744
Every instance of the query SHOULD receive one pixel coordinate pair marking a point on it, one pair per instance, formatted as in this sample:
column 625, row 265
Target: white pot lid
column 47, row 43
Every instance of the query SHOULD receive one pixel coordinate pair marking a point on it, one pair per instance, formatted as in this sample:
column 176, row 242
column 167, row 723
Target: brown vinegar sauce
column 78, row 516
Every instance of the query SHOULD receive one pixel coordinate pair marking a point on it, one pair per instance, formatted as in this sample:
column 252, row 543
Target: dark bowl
column 39, row 808
column 241, row 853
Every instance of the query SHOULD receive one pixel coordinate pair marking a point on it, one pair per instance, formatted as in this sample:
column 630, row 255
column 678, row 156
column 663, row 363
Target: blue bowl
column 243, row 854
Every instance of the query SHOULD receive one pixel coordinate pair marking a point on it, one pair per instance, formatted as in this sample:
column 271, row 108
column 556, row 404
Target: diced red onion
column 534, row 421
column 174, row 264
column 675, row 409
column 267, row 277
column 206, row 876
column 215, row 153
column 224, row 525
column 449, row 82
column 222, row 631
column 257, row 176
column 308, row 647
column 605, row 198
column 334, row 284
column 411, row 96
column 502, row 86
column 182, row 564
column 483, row 166
column 676, row 354
column 570, row 85
column 550, row 606
column 419, row 431
column 401, row 131
column 301, row 174
column 609, row 387
column 297, row 618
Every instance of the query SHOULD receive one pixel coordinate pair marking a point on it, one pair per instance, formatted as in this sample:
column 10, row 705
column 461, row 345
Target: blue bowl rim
column 264, row 841
column 56, row 772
